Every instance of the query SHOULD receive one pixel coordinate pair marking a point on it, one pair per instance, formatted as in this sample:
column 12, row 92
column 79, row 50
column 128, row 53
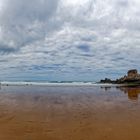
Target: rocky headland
column 132, row 77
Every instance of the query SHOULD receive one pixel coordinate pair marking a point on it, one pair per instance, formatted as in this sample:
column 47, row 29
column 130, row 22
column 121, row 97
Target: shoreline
column 69, row 84
column 58, row 84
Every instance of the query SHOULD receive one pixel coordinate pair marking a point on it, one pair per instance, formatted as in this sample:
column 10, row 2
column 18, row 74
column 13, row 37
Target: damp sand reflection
column 131, row 91
column 68, row 113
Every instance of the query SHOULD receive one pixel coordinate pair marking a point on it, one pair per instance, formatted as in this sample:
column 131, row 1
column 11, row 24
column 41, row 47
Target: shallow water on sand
column 69, row 113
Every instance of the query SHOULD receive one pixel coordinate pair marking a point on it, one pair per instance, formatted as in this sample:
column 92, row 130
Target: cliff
column 132, row 77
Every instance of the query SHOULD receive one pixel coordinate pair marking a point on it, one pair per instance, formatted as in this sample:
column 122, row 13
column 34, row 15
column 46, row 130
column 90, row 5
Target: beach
column 70, row 112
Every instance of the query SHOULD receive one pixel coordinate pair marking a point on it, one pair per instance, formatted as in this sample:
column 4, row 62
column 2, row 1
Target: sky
column 68, row 40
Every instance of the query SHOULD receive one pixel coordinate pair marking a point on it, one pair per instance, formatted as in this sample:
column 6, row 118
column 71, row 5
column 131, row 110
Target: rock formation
column 132, row 77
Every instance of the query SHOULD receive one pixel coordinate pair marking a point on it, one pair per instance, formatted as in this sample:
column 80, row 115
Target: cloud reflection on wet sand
column 68, row 113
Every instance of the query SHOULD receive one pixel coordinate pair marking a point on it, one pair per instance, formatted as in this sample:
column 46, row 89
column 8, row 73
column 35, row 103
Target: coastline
column 96, row 84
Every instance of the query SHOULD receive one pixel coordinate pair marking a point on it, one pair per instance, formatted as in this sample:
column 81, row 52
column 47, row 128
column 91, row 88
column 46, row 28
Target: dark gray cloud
column 23, row 22
column 6, row 49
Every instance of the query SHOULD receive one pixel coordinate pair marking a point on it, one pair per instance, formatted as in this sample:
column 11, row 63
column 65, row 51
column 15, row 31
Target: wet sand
column 69, row 113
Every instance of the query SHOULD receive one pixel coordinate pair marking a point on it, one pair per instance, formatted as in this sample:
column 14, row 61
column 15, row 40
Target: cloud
column 69, row 40
column 24, row 22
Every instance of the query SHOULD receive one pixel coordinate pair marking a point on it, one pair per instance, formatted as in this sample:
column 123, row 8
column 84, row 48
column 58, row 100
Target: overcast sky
column 68, row 39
